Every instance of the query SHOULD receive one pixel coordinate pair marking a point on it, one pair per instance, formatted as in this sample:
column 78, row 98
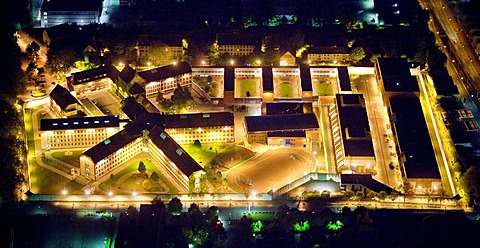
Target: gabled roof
column 237, row 39
column 173, row 151
column 94, row 74
column 133, row 109
column 136, row 89
column 366, row 181
column 199, row 120
column 165, row 72
column 62, row 97
column 281, row 122
column 79, row 123
column 114, row 143
column 127, row 73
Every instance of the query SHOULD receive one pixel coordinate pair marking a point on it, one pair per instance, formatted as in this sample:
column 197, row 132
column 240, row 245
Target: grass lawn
column 45, row 181
column 324, row 88
column 71, row 159
column 285, row 89
column 205, row 153
column 130, row 183
column 244, row 85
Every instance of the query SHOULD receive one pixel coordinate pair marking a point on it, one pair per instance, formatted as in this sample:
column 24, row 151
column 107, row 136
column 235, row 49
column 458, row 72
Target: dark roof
column 267, row 78
column 114, row 143
column 294, row 133
column 354, row 125
column 229, row 79
column 79, row 123
column 237, row 39
column 444, row 85
column 165, row 72
column 173, row 151
column 133, row 109
column 94, row 74
column 414, row 138
column 328, row 50
column 344, row 78
column 72, row 5
column 136, row 89
column 62, row 97
column 127, row 73
column 366, row 181
column 277, row 108
column 396, row 76
column 199, row 120
column 168, row 40
column 281, row 122
column 305, row 78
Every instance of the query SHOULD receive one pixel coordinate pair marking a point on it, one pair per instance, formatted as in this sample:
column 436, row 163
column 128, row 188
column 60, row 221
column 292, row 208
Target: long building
column 81, row 12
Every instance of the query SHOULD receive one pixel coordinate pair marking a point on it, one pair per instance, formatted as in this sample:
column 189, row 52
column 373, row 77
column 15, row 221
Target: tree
column 214, row 54
column 174, row 206
column 141, row 167
column 360, row 195
column 348, row 194
column 33, row 48
column 60, row 60
column 371, row 195
column 382, row 195
column 197, row 143
column 357, row 54
column 159, row 53
column 180, row 102
column 374, row 57
column 470, row 181
column 154, row 177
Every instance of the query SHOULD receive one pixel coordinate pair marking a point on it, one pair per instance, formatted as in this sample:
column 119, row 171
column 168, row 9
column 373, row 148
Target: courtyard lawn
column 244, row 85
column 44, row 181
column 70, row 158
column 205, row 153
column 324, row 88
column 285, row 89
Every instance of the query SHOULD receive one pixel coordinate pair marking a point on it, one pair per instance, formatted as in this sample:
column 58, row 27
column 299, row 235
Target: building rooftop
column 267, row 79
column 133, row 109
column 114, row 143
column 62, row 97
column 305, row 78
column 344, row 79
column 414, row 138
column 72, row 5
column 281, row 122
column 79, row 123
column 173, row 151
column 442, row 81
column 94, row 74
column 278, row 108
column 328, row 50
column 237, row 39
column 215, row 119
column 127, row 73
column 164, row 72
column 354, row 125
column 366, row 181
column 396, row 76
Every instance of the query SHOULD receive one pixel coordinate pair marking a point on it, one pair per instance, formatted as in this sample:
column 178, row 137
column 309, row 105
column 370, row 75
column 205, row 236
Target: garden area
column 246, row 87
column 285, row 89
column 209, row 84
column 323, row 87
column 140, row 176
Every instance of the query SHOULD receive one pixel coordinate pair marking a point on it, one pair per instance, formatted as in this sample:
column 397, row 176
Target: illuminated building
column 332, row 54
column 205, row 127
column 166, row 78
column 236, row 44
column 67, row 133
column 81, row 12
column 296, row 130
column 64, row 104
column 92, row 80
column 352, row 141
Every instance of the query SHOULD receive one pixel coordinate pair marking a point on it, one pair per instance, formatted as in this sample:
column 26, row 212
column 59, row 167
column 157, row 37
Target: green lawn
column 69, row 158
column 244, row 85
column 205, row 153
column 45, row 181
column 285, row 89
column 324, row 88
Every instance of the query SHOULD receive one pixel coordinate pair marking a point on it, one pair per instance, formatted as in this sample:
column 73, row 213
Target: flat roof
column 72, row 5
column 267, row 78
column 173, row 151
column 354, row 125
column 396, row 76
column 78, row 123
column 365, row 180
column 344, row 78
column 414, row 138
column 281, row 122
column 165, row 72
column 305, row 78
column 278, row 108
column 442, row 81
column 214, row 119
column 113, row 143
column 229, row 79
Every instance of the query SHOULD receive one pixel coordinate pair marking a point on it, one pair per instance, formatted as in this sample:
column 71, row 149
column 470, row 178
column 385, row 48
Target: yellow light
column 149, row 63
column 232, row 62
column 199, row 129
column 174, row 62
column 121, row 64
column 64, row 192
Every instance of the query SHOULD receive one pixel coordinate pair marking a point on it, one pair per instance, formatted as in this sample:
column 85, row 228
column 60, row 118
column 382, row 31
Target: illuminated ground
column 244, row 85
column 271, row 170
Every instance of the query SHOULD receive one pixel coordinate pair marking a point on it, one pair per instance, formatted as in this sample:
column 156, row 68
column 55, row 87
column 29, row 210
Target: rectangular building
column 81, row 12
column 166, row 78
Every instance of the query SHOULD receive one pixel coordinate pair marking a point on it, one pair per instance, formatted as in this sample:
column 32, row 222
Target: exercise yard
column 285, row 89
column 322, row 86
column 271, row 170
column 244, row 85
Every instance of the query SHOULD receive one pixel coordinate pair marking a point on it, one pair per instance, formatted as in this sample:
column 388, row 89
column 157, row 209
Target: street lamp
column 110, row 193
column 232, row 62
column 203, row 62
column 64, row 192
